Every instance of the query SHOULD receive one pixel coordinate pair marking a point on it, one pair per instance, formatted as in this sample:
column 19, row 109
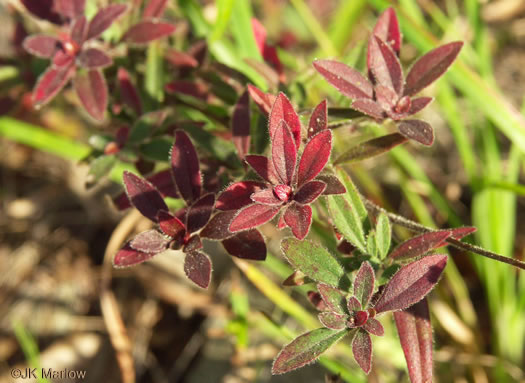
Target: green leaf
column 224, row 12
column 100, row 167
column 383, row 235
column 347, row 222
column 158, row 149
column 371, row 244
column 353, row 194
column 313, row 260
column 371, row 148
column 154, row 75
column 305, row 349
column 242, row 30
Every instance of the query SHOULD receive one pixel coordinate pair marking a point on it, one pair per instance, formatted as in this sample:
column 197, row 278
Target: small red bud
column 283, row 192
column 403, row 105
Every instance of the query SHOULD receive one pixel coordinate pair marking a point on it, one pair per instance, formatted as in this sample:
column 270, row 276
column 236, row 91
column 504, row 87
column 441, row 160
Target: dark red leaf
column 148, row 31
column 284, row 153
column 185, row 167
column 154, row 9
column 197, row 267
column 171, row 225
column 50, row 83
column 128, row 91
column 333, row 320
column 144, row 196
column 386, row 97
column 92, row 91
column 237, row 196
column 418, row 104
column 150, row 241
column 384, row 65
column 334, row 298
column 333, row 185
column 191, row 88
column 305, row 349
column 417, row 130
column 217, row 226
column 369, row 107
column 421, row 244
column 362, row 350
column 127, row 256
column 461, row 232
column 371, row 148
column 94, row 58
column 79, row 30
column 63, row 59
column 309, row 192
column 387, row 29
column 263, row 100
column 43, row 9
column 318, row 119
column 263, row 167
column 252, row 216
column 162, row 180
column 259, row 33
column 373, row 326
column 266, row 197
column 415, row 335
column 200, row 212
column 299, row 219
column 347, row 80
column 104, row 18
column 241, row 125
column 181, row 59
column 194, row 243
column 364, row 283
column 315, row 156
column 248, row 244
column 41, row 45
column 282, row 109
column 353, row 304
column 431, row 66
column 70, row 9
column 411, row 283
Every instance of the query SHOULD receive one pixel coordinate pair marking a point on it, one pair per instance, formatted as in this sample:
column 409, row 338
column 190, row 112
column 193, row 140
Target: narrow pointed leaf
column 128, row 91
column 185, row 167
column 418, row 104
column 241, row 125
column 282, row 109
column 284, row 153
column 374, row 327
column 384, row 65
column 247, row 244
column 150, row 241
column 415, row 334
column 264, row 101
column 383, row 235
column 305, row 349
column 299, row 219
column 334, row 298
column 420, row 245
column 309, row 192
column 333, row 320
column 411, row 283
column 197, row 267
column 266, row 197
column 104, row 18
column 237, row 195
column 94, row 58
column 369, row 107
column 79, row 30
column 50, row 83
column 154, row 9
column 333, row 185
column 347, row 80
column 387, row 29
column 318, row 119
column 147, row 31
column 431, row 66
column 171, row 225
column 315, row 156
column 252, row 216
column 263, row 167
column 353, row 304
column 144, row 196
column 313, row 260
column 461, row 232
column 181, row 59
column 41, row 45
column 217, row 227
column 347, row 221
column 92, row 91
column 362, row 350
column 353, row 196
column 417, row 130
column 364, row 283
column 200, row 212
column 127, row 256
column 371, row 148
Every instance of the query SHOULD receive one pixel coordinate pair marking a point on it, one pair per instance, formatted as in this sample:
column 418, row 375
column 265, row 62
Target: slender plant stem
column 414, row 226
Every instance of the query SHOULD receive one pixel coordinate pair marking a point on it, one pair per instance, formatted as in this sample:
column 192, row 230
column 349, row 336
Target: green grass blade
column 241, row 28
column 345, row 19
column 224, row 12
